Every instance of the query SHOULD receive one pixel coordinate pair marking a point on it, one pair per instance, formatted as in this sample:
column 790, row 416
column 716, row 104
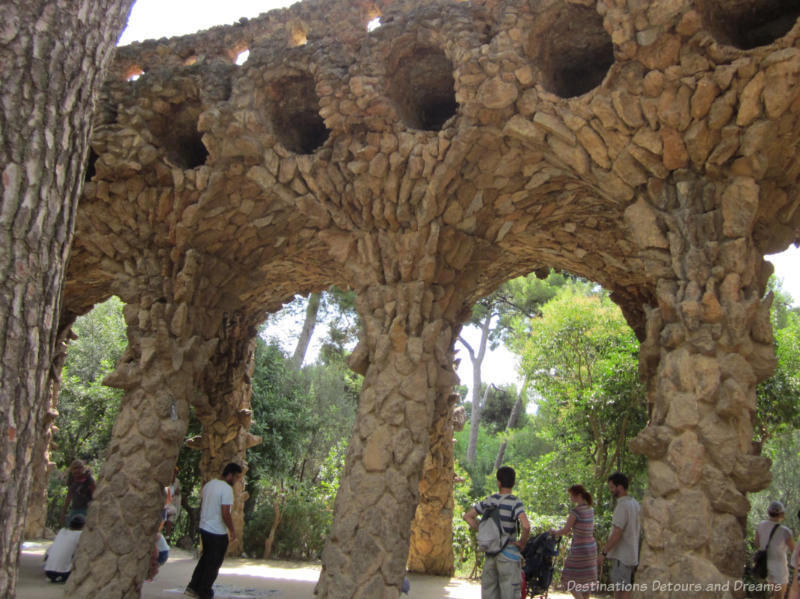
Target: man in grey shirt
column 622, row 547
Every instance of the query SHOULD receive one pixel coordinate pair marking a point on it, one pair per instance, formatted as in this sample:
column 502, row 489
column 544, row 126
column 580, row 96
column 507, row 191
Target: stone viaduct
column 647, row 145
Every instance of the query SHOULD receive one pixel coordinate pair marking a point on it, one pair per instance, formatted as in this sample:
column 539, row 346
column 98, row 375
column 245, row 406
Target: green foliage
column 280, row 413
column 305, row 418
column 784, row 451
column 519, row 298
column 528, row 443
column 582, row 358
column 334, row 391
column 336, row 311
column 777, row 409
column 464, row 543
column 499, row 403
column 56, row 496
column 86, row 408
column 304, row 524
column 542, row 484
column 481, row 473
column 306, row 513
column 781, row 304
column 300, row 415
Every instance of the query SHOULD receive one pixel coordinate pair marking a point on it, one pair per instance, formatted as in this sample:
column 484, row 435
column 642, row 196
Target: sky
column 153, row 19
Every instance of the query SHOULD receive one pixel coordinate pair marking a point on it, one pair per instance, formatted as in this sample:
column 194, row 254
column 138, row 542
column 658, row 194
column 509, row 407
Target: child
column 58, row 559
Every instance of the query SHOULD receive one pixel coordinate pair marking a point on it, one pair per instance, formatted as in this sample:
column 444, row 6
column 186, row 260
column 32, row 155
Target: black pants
column 57, row 576
column 207, row 569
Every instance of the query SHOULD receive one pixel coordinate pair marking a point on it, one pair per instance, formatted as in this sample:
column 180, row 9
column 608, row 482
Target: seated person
column 158, row 556
column 58, row 559
column 163, row 549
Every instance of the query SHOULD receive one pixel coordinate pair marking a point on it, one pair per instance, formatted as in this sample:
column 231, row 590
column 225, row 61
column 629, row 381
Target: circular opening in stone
column 298, row 34
column 421, row 87
column 90, row 165
column 747, row 24
column 571, row 50
column 294, row 112
column 177, row 135
column 133, row 74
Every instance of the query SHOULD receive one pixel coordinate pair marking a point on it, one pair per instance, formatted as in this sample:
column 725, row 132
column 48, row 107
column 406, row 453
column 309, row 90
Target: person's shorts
column 163, row 556
column 620, row 573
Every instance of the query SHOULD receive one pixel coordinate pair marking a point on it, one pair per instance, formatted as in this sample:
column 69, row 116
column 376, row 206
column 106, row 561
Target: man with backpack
column 497, row 531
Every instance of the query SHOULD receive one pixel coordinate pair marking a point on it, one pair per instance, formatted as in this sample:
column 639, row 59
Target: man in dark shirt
column 80, row 489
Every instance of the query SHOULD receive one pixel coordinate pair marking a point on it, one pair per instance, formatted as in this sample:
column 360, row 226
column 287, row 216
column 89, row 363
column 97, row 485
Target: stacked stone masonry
column 649, row 146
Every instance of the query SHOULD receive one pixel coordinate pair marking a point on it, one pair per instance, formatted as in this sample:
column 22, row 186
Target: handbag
column 760, row 557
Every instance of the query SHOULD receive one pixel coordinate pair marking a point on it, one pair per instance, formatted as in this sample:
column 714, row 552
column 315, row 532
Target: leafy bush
column 305, row 519
column 306, row 512
column 464, row 545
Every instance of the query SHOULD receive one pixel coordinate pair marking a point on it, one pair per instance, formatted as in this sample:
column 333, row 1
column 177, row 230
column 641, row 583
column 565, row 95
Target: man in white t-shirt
column 215, row 523
column 777, row 545
column 622, row 547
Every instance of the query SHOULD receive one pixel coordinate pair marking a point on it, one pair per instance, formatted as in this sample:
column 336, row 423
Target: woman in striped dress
column 580, row 568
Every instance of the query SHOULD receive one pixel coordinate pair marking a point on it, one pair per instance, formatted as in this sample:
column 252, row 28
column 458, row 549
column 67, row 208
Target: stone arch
column 424, row 224
column 421, row 87
column 293, row 110
column 748, row 24
column 571, row 49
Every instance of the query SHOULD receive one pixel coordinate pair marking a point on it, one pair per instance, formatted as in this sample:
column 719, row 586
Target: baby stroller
column 538, row 566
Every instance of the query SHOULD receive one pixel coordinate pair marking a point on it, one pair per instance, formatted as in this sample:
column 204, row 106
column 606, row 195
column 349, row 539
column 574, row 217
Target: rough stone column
column 431, row 549
column 223, row 409
column 405, row 351
column 170, row 344
column 709, row 341
column 36, row 518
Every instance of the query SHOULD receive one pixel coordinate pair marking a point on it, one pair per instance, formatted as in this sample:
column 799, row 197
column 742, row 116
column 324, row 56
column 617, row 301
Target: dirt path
column 238, row 579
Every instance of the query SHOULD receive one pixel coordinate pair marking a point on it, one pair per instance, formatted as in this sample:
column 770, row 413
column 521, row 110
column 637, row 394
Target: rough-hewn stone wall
column 648, row 146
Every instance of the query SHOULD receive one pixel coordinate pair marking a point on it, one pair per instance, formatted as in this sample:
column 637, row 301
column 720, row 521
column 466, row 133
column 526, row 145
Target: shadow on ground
column 239, row 579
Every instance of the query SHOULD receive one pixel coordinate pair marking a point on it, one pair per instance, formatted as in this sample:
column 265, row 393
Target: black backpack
column 538, row 565
column 760, row 557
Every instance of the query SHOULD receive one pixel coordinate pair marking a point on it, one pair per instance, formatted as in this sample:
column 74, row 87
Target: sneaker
column 190, row 592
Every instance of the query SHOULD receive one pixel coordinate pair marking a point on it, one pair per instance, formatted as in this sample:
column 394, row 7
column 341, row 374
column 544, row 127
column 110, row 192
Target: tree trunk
column 512, row 422
column 477, row 402
column 274, row 528
column 312, row 308
column 54, row 57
